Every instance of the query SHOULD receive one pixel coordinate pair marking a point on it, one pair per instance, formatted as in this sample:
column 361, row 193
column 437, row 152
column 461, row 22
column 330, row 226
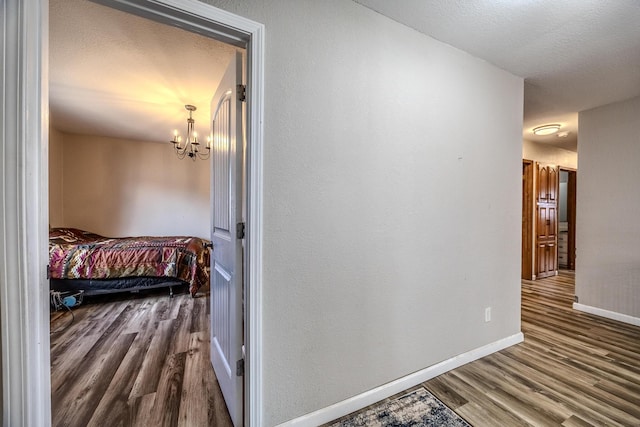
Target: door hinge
column 242, row 93
column 240, row 368
column 240, row 230
column 48, row 271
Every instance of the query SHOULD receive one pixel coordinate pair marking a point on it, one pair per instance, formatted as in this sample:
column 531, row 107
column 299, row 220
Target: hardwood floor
column 573, row 369
column 144, row 361
column 135, row 360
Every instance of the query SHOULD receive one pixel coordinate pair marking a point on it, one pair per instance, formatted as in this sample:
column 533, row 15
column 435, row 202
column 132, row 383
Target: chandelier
column 191, row 147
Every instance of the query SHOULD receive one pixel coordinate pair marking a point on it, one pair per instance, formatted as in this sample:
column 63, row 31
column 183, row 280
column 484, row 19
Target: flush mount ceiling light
column 546, row 129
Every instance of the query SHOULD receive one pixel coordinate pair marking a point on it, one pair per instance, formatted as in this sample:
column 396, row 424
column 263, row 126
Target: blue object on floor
column 69, row 301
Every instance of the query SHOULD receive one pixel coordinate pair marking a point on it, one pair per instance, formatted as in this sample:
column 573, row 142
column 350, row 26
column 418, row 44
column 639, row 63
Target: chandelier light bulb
column 190, row 148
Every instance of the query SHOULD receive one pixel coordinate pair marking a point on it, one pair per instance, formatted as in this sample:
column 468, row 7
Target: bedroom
column 118, row 89
column 114, row 105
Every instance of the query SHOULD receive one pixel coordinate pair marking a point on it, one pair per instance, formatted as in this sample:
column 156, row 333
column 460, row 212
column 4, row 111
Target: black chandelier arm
column 181, row 153
column 191, row 151
column 204, row 156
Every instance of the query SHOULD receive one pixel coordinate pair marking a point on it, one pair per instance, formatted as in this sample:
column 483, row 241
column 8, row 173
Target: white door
column 226, row 260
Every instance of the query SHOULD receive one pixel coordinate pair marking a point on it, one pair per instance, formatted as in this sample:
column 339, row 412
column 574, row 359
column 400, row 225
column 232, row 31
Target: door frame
column 571, row 214
column 24, row 202
column 528, row 207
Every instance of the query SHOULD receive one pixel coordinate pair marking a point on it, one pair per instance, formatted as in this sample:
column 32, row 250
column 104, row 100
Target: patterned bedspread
column 77, row 254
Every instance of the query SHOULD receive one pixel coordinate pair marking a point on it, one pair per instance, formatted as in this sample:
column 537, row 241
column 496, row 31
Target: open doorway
column 567, row 219
column 118, row 87
column 25, row 326
column 548, row 219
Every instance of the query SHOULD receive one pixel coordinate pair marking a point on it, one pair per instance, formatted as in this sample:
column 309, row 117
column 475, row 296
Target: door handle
column 208, row 246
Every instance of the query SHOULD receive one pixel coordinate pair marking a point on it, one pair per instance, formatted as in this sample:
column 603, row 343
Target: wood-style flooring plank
column 480, row 408
column 181, row 332
column 115, row 407
column 84, row 394
column 199, row 317
column 194, row 407
column 149, row 374
column 173, row 308
column 143, row 314
column 102, row 345
column 167, row 402
column 559, row 391
column 574, row 421
column 454, row 399
column 65, row 363
column 142, row 410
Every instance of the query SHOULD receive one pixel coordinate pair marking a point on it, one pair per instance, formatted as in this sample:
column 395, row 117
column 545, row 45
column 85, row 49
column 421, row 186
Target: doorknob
column 208, row 246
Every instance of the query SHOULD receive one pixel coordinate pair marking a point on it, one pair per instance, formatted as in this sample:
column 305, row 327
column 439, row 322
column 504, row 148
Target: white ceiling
column 573, row 54
column 119, row 75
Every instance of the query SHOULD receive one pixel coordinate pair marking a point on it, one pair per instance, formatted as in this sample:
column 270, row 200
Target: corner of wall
column 547, row 154
column 607, row 268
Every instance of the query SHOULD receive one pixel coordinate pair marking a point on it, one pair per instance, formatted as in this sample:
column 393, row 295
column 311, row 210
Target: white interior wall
column 608, row 200
column 547, row 154
column 121, row 188
column 56, row 169
column 391, row 202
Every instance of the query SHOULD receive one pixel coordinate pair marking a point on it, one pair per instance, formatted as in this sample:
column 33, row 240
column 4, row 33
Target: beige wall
column 131, row 188
column 608, row 230
column 391, row 202
column 56, row 168
column 547, row 154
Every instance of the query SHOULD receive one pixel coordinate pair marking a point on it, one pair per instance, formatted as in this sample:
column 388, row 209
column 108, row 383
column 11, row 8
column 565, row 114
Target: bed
column 81, row 260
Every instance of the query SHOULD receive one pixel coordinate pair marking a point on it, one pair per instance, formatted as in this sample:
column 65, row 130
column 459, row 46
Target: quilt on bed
column 78, row 254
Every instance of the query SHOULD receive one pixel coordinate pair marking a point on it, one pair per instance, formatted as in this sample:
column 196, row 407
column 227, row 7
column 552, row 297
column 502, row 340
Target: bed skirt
column 107, row 286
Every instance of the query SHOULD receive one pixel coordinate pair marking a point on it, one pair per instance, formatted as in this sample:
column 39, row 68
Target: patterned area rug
column 416, row 409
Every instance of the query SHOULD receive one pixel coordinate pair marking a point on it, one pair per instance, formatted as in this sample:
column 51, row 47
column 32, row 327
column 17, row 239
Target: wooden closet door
column 541, row 226
column 546, row 260
column 552, row 184
column 546, row 222
column 552, row 226
column 543, row 184
column 552, row 258
column 541, row 261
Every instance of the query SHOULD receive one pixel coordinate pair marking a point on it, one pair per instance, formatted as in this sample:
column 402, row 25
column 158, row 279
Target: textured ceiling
column 573, row 54
column 115, row 74
column 119, row 75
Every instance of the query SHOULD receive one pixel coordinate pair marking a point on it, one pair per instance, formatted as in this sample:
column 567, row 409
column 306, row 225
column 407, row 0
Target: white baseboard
column 370, row 397
column 608, row 314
